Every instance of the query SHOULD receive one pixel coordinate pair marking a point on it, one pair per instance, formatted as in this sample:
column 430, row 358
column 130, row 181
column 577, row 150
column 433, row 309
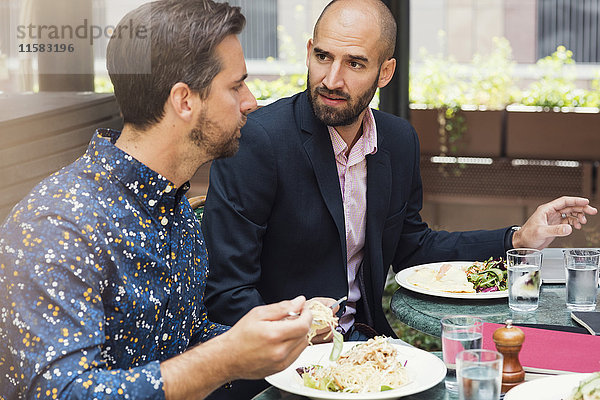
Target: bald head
column 375, row 9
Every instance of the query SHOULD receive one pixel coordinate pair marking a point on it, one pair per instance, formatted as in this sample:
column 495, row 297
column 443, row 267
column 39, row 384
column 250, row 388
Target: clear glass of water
column 459, row 332
column 581, row 269
column 524, row 279
column 479, row 374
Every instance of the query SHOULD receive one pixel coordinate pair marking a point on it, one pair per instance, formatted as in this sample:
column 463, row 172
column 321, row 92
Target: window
column 259, row 38
column 571, row 23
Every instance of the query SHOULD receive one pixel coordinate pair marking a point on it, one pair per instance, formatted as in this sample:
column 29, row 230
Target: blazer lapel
column 317, row 145
column 379, row 181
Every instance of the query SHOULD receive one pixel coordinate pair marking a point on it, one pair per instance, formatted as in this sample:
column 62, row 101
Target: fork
column 338, row 302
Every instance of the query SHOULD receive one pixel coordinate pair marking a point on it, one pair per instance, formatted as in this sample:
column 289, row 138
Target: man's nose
column 334, row 80
column 248, row 103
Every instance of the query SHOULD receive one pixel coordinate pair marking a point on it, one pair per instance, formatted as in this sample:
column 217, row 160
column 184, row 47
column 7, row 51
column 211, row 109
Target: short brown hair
column 387, row 25
column 180, row 47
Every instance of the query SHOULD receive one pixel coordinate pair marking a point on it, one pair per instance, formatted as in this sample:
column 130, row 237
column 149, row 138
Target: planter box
column 483, row 136
column 533, row 133
column 502, row 179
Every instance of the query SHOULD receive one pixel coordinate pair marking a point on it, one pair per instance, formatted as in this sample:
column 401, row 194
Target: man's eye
column 355, row 64
column 321, row 57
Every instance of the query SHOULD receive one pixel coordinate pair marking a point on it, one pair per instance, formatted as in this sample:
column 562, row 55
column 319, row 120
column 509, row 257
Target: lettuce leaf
column 338, row 346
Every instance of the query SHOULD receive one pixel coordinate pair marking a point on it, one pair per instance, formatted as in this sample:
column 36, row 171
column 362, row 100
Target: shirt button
column 164, row 221
column 152, row 202
column 168, row 189
column 165, row 337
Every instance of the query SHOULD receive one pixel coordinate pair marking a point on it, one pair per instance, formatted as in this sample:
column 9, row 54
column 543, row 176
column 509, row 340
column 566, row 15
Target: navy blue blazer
column 274, row 220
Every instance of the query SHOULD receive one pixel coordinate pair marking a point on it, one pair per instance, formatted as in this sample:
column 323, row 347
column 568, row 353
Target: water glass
column 524, row 280
column 479, row 374
column 459, row 332
column 581, row 269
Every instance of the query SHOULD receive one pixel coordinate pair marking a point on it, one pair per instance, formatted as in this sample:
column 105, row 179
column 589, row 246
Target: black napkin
column 560, row 328
column 590, row 320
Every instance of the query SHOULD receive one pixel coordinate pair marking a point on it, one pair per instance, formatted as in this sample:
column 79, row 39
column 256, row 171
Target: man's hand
column 264, row 341
column 554, row 219
column 267, row 340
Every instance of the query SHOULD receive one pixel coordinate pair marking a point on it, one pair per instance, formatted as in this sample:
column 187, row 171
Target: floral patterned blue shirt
column 102, row 276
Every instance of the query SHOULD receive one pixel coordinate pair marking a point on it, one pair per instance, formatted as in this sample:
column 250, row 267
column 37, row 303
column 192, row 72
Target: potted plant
column 457, row 110
column 555, row 119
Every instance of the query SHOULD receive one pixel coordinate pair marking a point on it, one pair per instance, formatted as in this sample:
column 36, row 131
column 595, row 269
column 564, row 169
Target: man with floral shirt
column 103, row 265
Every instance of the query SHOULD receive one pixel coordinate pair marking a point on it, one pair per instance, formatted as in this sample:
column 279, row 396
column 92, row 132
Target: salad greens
column 588, row 389
column 338, row 345
column 327, row 385
column 488, row 276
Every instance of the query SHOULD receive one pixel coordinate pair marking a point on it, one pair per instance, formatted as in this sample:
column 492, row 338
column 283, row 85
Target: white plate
column 424, row 369
column 556, row 387
column 402, row 276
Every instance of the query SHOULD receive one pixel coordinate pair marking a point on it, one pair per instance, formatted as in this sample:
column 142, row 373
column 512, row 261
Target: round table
column 423, row 312
column 437, row 392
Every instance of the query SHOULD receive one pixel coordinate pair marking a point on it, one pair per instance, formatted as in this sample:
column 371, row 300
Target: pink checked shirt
column 352, row 171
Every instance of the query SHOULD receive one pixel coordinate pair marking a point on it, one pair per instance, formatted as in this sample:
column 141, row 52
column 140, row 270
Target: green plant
column 556, row 85
column 593, row 95
column 437, row 84
column 441, row 83
column 283, row 86
column 286, row 84
column 491, row 82
column 452, row 127
column 103, row 85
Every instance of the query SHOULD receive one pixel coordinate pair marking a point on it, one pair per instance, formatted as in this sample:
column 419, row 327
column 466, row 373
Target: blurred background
column 504, row 95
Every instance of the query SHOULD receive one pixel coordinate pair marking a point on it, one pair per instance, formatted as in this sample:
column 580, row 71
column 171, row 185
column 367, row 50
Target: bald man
column 325, row 193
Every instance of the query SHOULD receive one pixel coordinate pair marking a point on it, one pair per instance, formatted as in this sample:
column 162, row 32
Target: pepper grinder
column 509, row 340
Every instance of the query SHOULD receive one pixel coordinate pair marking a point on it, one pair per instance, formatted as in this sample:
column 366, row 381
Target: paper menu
column 552, row 352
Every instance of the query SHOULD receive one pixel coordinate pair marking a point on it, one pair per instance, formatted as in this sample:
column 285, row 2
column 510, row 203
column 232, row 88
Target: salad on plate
column 588, row 389
column 488, row 276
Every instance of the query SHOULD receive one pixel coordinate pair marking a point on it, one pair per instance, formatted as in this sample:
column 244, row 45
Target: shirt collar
column 368, row 139
column 370, row 133
column 151, row 187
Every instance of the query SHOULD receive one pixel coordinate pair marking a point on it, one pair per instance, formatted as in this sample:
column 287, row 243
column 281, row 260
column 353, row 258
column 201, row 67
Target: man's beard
column 339, row 117
column 208, row 135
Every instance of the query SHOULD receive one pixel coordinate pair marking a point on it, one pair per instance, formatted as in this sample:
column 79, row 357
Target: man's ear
column 309, row 46
column 386, row 72
column 182, row 101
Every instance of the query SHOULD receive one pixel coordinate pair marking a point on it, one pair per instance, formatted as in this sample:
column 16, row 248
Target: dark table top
column 424, row 312
column 437, row 392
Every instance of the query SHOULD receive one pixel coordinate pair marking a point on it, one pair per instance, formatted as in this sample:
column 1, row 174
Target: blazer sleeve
column 238, row 204
column 420, row 244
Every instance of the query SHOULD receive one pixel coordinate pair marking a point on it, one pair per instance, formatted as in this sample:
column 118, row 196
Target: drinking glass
column 581, row 269
column 459, row 332
column 523, row 267
column 479, row 374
